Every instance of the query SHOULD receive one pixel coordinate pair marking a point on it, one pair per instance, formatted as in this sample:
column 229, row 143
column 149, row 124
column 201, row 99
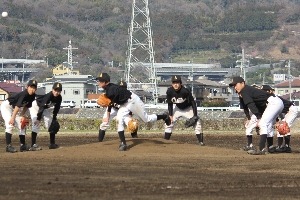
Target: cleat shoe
column 283, row 149
column 247, row 148
column 10, row 149
column 280, row 149
column 201, row 143
column 35, row 147
column 53, row 146
column 288, row 150
column 122, row 147
column 257, row 152
column 272, row 149
column 24, row 147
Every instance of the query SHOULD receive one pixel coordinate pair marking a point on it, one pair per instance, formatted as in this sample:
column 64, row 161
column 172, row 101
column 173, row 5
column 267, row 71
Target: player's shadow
column 295, row 151
column 138, row 141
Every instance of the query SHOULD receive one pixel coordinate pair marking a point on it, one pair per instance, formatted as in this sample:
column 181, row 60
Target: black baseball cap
column 123, row 84
column 57, row 86
column 32, row 83
column 236, row 80
column 256, row 86
column 176, row 78
column 103, row 77
column 266, row 88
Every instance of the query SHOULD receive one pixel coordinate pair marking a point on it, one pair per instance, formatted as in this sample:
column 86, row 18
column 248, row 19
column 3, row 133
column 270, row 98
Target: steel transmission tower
column 70, row 56
column 140, row 50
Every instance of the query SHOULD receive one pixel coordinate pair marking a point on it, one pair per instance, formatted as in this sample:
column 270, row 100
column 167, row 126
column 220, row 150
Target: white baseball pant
column 47, row 116
column 137, row 107
column 290, row 118
column 113, row 114
column 184, row 114
column 252, row 123
column 273, row 109
column 6, row 111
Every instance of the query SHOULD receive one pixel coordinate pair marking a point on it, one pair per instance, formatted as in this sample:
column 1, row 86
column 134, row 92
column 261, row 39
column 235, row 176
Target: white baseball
column 4, row 14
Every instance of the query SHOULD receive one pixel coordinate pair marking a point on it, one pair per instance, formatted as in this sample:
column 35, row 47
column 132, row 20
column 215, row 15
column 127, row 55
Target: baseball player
column 265, row 106
column 129, row 102
column 289, row 114
column 12, row 109
column 113, row 110
column 250, row 125
column 40, row 110
column 185, row 107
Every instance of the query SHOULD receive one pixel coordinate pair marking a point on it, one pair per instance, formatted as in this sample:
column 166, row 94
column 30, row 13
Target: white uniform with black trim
column 22, row 99
column 290, row 112
column 6, row 111
column 113, row 113
column 40, row 109
column 129, row 102
column 46, row 116
column 185, row 107
column 252, row 123
column 265, row 108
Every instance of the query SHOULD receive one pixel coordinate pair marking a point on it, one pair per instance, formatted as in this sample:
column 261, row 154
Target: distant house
column 62, row 69
column 295, row 97
column 75, row 87
column 283, row 88
column 215, row 90
column 8, row 89
column 202, row 89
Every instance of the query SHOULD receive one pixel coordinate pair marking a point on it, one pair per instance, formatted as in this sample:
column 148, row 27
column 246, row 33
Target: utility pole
column 70, row 56
column 193, row 77
column 243, row 61
column 3, row 15
column 24, row 66
column 289, row 73
column 140, row 49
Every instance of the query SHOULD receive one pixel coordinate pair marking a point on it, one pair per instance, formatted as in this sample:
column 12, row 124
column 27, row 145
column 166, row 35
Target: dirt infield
column 152, row 168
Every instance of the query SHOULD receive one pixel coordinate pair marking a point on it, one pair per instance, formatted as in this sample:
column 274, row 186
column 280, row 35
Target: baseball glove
column 257, row 129
column 103, row 100
column 54, row 127
column 282, row 127
column 133, row 126
column 191, row 122
column 24, row 122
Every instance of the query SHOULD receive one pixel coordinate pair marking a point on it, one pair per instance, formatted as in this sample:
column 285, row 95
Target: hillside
column 205, row 31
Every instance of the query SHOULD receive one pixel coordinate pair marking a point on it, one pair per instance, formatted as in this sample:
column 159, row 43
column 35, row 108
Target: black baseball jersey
column 21, row 99
column 183, row 99
column 117, row 94
column 286, row 105
column 254, row 99
column 46, row 101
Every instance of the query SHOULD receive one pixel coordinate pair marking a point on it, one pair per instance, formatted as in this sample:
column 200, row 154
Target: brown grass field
column 152, row 168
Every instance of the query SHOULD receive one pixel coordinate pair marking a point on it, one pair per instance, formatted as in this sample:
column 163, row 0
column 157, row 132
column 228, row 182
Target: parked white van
column 68, row 104
column 90, row 104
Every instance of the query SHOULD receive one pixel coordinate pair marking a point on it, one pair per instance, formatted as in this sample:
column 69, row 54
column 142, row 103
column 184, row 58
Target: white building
column 75, row 87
